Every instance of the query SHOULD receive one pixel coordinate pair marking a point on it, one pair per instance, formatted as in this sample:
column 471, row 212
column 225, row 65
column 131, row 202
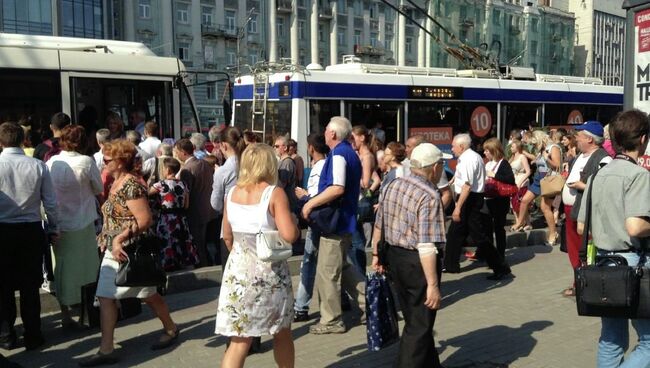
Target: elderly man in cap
column 589, row 138
column 414, row 251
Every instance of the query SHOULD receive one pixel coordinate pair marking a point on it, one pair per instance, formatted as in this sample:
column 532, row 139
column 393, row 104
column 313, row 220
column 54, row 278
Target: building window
column 358, row 8
column 340, row 36
column 231, row 21
column 534, row 24
column 373, row 39
column 409, row 42
column 533, row 47
column 389, row 15
column 374, row 10
column 252, row 24
column 301, row 29
column 144, row 9
column 357, row 37
column 18, row 17
column 232, row 58
column 342, row 7
column 496, row 17
column 78, row 18
column 389, row 43
column 211, row 91
column 280, row 22
column 206, row 16
column 183, row 13
column 208, row 54
column 322, row 33
column 184, row 51
column 254, row 59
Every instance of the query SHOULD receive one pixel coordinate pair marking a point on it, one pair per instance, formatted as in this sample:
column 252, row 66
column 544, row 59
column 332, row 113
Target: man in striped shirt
column 413, row 220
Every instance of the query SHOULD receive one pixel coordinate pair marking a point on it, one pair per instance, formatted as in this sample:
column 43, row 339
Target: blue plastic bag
column 381, row 328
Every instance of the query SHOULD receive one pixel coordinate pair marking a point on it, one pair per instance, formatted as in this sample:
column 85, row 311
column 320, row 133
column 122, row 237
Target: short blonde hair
column 258, row 164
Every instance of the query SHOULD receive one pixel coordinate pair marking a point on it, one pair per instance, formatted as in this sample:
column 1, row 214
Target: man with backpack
column 51, row 147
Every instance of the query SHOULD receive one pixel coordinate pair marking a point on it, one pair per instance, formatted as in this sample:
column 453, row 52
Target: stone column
column 401, row 40
column 195, row 22
column 313, row 27
column 167, row 28
column 273, row 32
column 334, row 42
column 129, row 20
column 293, row 21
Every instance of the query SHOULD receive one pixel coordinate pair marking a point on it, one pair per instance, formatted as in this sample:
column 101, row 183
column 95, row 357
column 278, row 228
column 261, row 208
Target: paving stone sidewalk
column 521, row 322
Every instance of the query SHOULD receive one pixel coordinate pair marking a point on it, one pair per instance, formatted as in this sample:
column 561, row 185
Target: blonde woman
column 548, row 159
column 256, row 297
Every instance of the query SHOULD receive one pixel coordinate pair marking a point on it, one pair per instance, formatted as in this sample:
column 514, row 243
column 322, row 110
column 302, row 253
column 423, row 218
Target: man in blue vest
column 339, row 186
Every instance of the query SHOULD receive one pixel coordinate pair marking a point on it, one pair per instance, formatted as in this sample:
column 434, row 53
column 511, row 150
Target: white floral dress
column 256, row 297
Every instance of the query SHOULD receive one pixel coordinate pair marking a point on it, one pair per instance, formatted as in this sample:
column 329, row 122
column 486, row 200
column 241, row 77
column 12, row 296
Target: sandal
column 516, row 229
column 552, row 240
column 528, row 228
column 99, row 358
column 166, row 340
column 569, row 292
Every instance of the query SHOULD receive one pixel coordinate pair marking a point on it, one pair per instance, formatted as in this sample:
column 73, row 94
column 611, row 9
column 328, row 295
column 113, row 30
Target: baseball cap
column 592, row 127
column 427, row 154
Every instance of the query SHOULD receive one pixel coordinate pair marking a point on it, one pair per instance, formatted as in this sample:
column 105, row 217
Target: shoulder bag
column 553, row 183
column 270, row 246
column 325, row 218
column 611, row 288
column 496, row 188
column 143, row 266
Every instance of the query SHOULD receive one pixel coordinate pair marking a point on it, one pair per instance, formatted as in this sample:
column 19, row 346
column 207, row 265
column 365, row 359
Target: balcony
column 325, row 13
column 514, row 30
column 368, row 50
column 466, row 23
column 284, row 6
column 212, row 30
column 253, row 38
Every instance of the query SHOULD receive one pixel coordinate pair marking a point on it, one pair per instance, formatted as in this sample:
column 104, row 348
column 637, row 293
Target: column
column 401, row 41
column 219, row 20
column 242, row 22
column 129, row 20
column 313, row 27
column 293, row 21
column 167, row 29
column 273, row 32
column 334, row 42
column 351, row 30
column 428, row 39
column 195, row 22
column 421, row 48
column 55, row 19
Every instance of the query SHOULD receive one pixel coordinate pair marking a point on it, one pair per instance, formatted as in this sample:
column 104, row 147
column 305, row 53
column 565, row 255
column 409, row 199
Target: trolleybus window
column 30, row 94
column 189, row 120
column 124, row 97
column 320, row 113
column 369, row 113
column 278, row 119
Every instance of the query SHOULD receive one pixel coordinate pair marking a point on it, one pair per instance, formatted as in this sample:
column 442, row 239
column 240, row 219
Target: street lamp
column 241, row 33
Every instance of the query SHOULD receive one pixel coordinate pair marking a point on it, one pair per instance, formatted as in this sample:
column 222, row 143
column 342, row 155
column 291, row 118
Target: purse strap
column 587, row 226
column 265, row 199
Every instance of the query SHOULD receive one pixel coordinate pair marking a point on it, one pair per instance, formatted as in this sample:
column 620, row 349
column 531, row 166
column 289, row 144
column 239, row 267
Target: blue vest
column 349, row 200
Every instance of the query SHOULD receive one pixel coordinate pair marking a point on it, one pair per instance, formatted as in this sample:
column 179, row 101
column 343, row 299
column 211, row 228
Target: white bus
column 87, row 78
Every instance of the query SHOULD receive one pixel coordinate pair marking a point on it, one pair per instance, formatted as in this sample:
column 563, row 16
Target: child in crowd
column 178, row 250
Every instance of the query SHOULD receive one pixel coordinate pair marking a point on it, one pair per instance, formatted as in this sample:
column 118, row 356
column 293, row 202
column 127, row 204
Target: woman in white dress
column 256, row 297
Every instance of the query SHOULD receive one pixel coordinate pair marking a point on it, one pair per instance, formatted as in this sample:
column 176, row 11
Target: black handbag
column 143, row 266
column 89, row 313
column 610, row 288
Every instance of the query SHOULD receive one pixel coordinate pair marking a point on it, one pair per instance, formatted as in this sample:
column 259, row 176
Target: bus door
column 390, row 114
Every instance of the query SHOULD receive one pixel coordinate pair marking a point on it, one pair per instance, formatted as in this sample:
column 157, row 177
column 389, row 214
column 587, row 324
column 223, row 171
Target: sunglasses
column 107, row 160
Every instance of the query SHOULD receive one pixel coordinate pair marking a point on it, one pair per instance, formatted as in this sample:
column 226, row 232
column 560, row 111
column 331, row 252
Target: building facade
column 70, row 18
column 600, row 39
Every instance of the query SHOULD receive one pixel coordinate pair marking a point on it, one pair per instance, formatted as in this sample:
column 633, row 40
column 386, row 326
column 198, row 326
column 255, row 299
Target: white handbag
column 269, row 244
column 271, row 247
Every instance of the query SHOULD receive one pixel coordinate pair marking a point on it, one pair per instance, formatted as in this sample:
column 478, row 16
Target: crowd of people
column 207, row 206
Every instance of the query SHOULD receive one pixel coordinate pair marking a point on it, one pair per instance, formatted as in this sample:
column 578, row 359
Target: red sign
column 644, row 161
column 575, row 118
column 642, row 20
column 435, row 135
column 481, row 121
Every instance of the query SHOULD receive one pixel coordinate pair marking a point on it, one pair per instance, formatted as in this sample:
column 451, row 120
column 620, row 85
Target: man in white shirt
column 589, row 138
column 25, row 184
column 103, row 135
column 467, row 219
column 151, row 142
column 137, row 121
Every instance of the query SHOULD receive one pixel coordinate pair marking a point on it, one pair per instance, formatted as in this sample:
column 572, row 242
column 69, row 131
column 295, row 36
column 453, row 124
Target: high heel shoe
column 515, row 228
column 552, row 239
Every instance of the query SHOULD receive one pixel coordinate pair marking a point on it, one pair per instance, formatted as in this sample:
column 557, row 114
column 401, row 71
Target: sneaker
column 320, row 329
column 301, row 316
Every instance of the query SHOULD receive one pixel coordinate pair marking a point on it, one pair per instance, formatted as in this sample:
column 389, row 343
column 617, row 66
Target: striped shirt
column 411, row 212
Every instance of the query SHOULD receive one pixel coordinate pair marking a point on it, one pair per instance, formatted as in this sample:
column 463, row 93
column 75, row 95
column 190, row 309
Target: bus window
column 93, row 98
column 518, row 116
column 34, row 95
column 278, row 119
column 189, row 119
column 320, row 113
column 369, row 113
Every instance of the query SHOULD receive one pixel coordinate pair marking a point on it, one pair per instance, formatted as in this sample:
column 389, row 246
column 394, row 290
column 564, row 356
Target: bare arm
column 279, row 207
column 524, row 163
column 638, row 227
column 554, row 158
column 445, row 196
column 529, row 156
column 367, row 165
column 428, row 263
column 376, row 181
column 139, row 207
column 226, row 229
column 464, row 193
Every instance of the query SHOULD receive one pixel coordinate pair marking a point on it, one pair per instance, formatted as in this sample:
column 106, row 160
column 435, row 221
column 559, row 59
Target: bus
column 279, row 99
column 87, row 78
